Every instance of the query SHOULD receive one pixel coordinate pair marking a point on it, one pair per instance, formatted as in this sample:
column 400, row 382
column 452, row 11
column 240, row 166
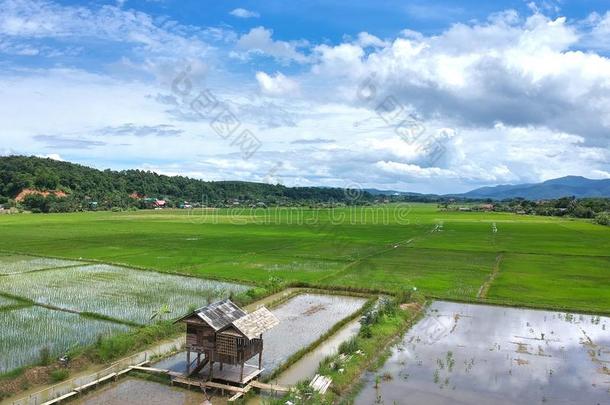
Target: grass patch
column 114, row 347
column 59, row 375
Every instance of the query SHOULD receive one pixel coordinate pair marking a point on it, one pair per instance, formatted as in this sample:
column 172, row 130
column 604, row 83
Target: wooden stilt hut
column 222, row 334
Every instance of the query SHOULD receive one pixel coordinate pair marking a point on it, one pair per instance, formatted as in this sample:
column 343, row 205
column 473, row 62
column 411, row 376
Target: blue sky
column 429, row 96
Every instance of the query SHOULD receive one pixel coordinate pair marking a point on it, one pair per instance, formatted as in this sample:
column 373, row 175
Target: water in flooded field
column 307, row 366
column 133, row 391
column 303, row 320
column 476, row 354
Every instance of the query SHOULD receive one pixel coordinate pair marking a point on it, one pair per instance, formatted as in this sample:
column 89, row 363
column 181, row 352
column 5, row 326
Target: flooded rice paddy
column 303, row 319
column 26, row 331
column 61, row 289
column 117, row 292
column 476, row 354
column 6, row 302
column 13, row 264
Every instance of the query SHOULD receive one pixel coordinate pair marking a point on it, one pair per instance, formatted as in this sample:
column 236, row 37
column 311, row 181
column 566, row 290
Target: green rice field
column 532, row 261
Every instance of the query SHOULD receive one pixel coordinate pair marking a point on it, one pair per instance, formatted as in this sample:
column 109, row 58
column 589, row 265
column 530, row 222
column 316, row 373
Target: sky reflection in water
column 476, row 354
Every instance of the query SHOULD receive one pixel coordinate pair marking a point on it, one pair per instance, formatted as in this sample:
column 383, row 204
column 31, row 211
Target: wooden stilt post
column 241, row 374
column 221, row 366
column 260, row 354
column 188, row 362
column 211, row 369
column 198, row 359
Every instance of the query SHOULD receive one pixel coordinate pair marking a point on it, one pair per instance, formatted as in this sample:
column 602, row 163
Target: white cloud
column 518, row 71
column 598, row 35
column 366, row 40
column 31, row 20
column 413, row 171
column 53, row 156
column 276, row 85
column 259, row 41
column 243, row 13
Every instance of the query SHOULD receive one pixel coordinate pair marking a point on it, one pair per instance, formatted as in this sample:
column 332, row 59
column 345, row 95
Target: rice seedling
column 117, row 292
column 28, row 332
column 11, row 264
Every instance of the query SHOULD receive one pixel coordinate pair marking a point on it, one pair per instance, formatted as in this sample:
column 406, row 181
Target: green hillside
column 109, row 188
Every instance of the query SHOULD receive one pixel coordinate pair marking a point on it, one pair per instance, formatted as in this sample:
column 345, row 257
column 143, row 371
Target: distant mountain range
column 577, row 186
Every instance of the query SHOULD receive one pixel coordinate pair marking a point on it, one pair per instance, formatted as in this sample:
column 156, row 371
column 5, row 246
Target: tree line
column 596, row 209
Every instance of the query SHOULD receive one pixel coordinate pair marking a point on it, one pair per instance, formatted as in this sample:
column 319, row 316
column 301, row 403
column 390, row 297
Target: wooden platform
column 230, row 373
column 320, row 383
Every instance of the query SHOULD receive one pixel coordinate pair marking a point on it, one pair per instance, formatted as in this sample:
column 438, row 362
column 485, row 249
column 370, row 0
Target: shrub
column 387, row 306
column 366, row 331
column 370, row 316
column 404, row 295
column 59, row 375
column 275, row 284
column 349, row 346
column 603, row 218
column 44, row 356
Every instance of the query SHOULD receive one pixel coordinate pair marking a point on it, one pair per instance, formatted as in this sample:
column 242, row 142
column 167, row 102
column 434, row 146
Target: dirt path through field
column 381, row 251
column 487, row 284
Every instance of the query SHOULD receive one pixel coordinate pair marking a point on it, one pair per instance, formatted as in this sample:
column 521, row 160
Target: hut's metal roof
column 220, row 314
column 255, row 323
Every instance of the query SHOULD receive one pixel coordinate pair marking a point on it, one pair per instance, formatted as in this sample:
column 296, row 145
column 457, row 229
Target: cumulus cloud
column 259, row 41
column 516, row 71
column 366, row 40
column 598, row 35
column 276, row 85
column 243, row 13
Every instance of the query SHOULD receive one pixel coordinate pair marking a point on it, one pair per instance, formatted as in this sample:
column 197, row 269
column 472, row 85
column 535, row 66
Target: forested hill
column 84, row 186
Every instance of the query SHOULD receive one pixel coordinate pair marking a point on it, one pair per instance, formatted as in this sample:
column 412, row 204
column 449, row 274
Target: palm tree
column 164, row 310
